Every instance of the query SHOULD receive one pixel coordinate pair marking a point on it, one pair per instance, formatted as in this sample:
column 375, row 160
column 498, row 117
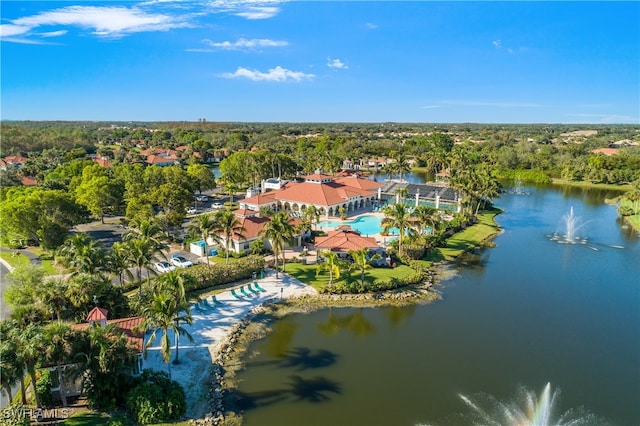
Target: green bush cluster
column 156, row 398
column 15, row 415
column 529, row 175
column 219, row 274
column 43, row 387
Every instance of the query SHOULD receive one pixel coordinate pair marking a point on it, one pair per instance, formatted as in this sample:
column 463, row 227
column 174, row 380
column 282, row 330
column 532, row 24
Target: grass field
column 468, row 238
column 15, row 261
column 307, row 274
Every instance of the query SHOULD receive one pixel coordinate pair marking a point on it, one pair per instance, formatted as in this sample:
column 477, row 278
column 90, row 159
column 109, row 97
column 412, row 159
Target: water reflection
column 278, row 344
column 314, row 390
column 355, row 323
column 398, row 315
column 305, row 358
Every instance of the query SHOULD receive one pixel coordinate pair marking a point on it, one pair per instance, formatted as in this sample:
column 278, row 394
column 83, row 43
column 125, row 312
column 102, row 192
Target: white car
column 191, row 210
column 216, row 206
column 202, row 198
column 181, row 262
column 164, row 267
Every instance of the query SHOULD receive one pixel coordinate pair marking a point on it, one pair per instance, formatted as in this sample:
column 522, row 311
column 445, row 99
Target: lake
column 527, row 312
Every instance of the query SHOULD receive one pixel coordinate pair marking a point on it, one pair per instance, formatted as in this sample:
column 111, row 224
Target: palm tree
column 29, row 345
column 174, row 283
column 58, row 342
column 82, row 254
column 142, row 255
column 12, row 366
column 360, row 261
column 149, row 230
column 331, row 263
column 397, row 216
column 118, row 262
column 425, row 217
column 401, row 165
column 107, row 355
column 278, row 231
column 228, row 225
column 163, row 314
column 311, row 214
column 203, row 226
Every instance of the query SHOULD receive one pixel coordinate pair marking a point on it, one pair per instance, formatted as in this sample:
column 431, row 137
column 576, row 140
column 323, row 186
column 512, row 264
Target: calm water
column 366, row 225
column 527, row 312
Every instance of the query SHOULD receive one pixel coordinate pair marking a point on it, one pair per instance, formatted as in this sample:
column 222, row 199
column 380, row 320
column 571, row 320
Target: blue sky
column 331, row 61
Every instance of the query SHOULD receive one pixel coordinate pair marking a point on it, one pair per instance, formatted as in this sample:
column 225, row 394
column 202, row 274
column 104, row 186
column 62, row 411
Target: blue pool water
column 366, row 225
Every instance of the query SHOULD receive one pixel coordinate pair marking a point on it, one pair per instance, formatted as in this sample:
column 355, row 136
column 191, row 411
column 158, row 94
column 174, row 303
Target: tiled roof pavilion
column 324, row 192
column 343, row 239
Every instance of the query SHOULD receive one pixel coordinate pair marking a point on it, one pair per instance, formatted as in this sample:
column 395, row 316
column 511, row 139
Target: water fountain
column 572, row 224
column 527, row 409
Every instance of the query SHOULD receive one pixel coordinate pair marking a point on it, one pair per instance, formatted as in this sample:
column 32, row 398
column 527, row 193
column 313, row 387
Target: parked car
column 180, row 261
column 202, row 198
column 164, row 267
column 191, row 210
column 216, row 206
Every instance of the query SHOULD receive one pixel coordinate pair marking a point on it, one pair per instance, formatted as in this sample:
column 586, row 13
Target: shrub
column 156, row 398
column 219, row 274
column 43, row 387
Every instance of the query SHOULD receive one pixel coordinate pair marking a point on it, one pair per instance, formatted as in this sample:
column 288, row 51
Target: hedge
column 220, row 274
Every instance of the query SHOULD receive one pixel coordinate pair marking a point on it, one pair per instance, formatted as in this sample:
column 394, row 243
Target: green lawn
column 466, row 239
column 15, row 261
column 587, row 184
column 307, row 274
column 86, row 419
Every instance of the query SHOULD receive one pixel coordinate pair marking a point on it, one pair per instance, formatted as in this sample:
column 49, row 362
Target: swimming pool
column 366, row 225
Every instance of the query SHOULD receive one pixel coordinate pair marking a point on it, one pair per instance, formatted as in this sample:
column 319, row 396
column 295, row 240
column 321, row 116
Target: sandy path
column 209, row 330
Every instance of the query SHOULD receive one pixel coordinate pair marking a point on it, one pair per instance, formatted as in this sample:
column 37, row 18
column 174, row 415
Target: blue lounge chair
column 244, row 292
column 215, row 301
column 206, row 304
column 257, row 286
column 234, row 294
column 253, row 290
column 198, row 308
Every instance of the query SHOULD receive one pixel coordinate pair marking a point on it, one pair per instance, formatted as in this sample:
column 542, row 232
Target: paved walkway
column 209, row 330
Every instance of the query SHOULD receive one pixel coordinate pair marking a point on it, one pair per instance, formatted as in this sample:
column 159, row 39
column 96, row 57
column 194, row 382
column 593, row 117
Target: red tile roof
column 606, row 151
column 326, row 194
column 127, row 326
column 260, row 199
column 344, row 239
column 97, row 314
column 357, row 182
column 28, row 181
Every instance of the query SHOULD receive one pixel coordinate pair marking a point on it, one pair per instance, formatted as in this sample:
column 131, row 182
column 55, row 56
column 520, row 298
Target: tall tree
column 11, row 365
column 397, row 216
column 58, row 345
column 163, row 314
column 279, row 231
column 228, row 225
column 331, row 264
column 174, row 283
column 360, row 262
column 204, row 226
column 29, row 342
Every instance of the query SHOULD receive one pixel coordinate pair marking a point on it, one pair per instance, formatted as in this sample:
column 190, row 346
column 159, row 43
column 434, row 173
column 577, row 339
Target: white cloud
column 497, row 43
column 113, row 21
column 430, row 106
column 53, row 33
column 243, row 43
column 606, row 118
column 277, row 74
column 371, row 25
column 492, row 104
column 336, row 63
column 11, row 30
column 249, row 9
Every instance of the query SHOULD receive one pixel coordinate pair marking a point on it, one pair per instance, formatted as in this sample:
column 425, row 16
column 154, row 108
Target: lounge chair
column 206, row 304
column 244, row 292
column 252, row 290
column 198, row 308
column 215, row 300
column 234, row 294
column 257, row 286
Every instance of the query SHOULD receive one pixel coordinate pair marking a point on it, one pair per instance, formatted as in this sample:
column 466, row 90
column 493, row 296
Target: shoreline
column 227, row 359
